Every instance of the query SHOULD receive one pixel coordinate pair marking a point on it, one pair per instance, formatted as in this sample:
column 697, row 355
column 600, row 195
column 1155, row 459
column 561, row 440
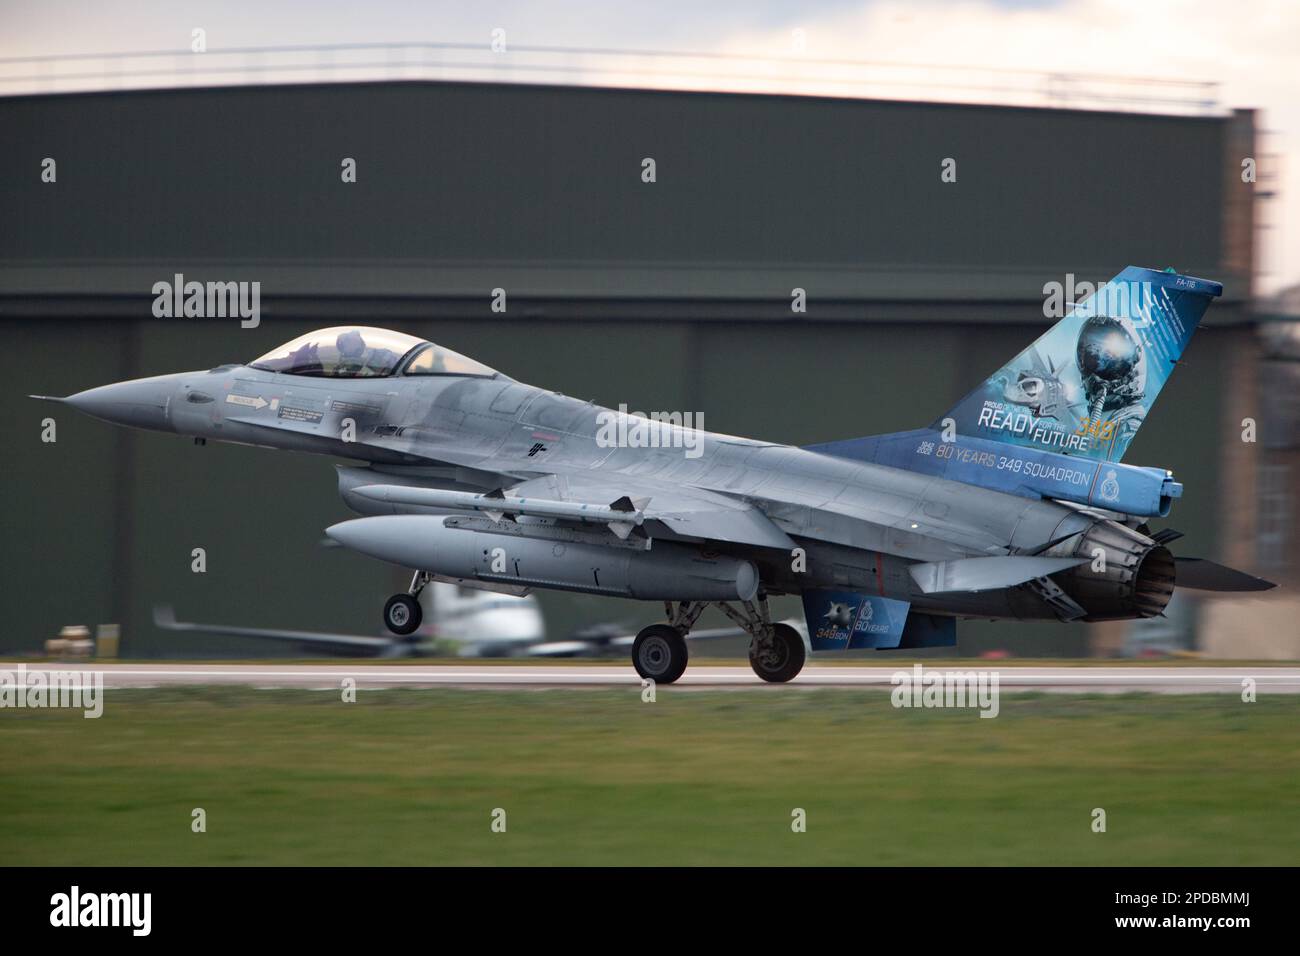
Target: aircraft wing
column 618, row 502
column 683, row 511
column 165, row 619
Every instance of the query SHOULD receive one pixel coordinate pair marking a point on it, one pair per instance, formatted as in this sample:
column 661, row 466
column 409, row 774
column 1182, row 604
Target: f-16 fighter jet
column 994, row 511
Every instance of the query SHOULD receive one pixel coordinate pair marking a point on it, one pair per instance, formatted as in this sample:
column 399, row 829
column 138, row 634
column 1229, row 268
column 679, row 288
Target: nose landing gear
column 402, row 612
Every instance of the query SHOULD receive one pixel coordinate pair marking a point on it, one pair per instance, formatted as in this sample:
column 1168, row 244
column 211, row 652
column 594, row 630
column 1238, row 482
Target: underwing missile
column 622, row 516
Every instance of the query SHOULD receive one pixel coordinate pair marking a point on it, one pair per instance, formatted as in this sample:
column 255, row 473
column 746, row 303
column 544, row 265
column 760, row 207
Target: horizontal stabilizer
column 1202, row 575
column 985, row 574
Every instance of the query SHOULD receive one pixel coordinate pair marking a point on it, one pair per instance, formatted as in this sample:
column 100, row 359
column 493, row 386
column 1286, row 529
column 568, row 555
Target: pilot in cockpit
column 355, row 358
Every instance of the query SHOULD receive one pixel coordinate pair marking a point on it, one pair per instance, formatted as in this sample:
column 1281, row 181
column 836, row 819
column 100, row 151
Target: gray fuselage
column 811, row 519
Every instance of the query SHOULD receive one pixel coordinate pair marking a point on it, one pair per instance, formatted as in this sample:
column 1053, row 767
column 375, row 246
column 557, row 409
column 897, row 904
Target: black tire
column 402, row 614
column 787, row 657
column 659, row 653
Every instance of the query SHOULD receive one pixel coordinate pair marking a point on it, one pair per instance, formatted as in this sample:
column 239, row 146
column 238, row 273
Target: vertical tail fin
column 1086, row 385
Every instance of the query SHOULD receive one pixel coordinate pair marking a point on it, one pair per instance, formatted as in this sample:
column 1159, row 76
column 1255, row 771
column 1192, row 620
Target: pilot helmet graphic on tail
column 1085, row 386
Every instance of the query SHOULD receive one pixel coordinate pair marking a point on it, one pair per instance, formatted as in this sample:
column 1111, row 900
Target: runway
column 1081, row 679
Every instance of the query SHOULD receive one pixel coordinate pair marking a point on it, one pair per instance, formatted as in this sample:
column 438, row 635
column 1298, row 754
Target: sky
column 1249, row 47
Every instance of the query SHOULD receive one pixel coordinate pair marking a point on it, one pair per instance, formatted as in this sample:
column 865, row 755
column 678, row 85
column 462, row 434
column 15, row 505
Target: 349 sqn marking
column 1101, row 430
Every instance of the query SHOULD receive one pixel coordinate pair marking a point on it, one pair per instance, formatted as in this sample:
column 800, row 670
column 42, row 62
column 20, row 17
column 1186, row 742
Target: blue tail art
column 1055, row 420
column 1085, row 387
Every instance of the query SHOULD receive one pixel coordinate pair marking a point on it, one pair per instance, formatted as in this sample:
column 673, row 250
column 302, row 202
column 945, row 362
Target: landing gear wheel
column 659, row 653
column 402, row 614
column 783, row 659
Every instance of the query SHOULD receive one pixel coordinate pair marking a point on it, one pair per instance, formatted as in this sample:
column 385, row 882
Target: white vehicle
column 480, row 623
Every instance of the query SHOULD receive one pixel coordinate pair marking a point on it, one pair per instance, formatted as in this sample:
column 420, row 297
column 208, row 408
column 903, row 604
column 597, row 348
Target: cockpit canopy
column 355, row 351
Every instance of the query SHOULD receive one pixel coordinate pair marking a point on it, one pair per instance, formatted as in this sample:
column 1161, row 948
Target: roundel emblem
column 1110, row 487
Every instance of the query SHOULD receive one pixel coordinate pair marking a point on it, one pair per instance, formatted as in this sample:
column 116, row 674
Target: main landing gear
column 402, row 612
column 776, row 651
column 659, row 653
column 780, row 658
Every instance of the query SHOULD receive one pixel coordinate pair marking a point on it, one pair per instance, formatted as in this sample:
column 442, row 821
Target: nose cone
column 407, row 540
column 377, row 537
column 346, row 534
column 142, row 403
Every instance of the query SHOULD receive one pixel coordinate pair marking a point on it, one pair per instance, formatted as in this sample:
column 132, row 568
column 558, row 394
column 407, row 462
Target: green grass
column 412, row 777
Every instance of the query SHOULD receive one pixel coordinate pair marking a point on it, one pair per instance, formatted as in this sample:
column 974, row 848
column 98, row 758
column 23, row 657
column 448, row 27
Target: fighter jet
column 467, row 476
